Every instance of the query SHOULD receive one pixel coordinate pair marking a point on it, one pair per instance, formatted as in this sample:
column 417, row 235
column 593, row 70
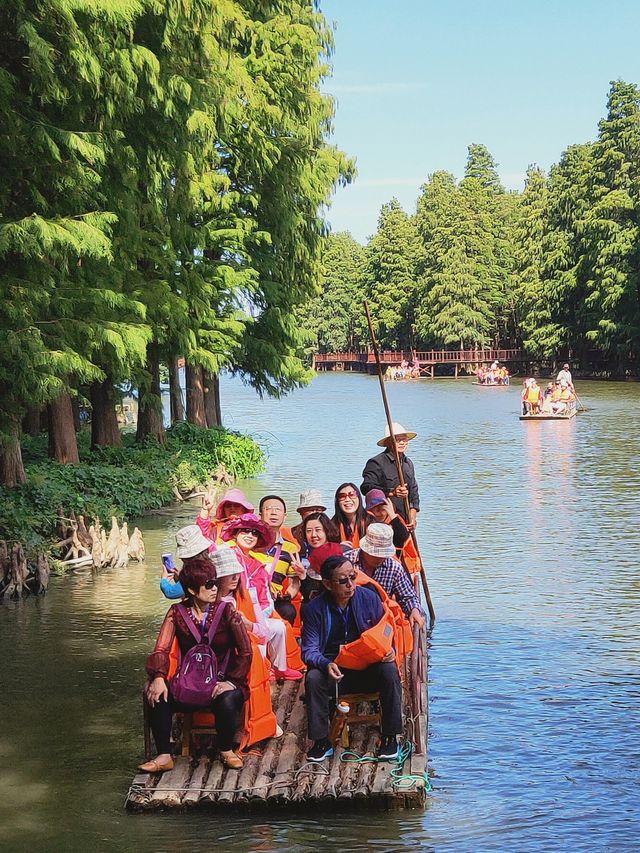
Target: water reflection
column 531, row 532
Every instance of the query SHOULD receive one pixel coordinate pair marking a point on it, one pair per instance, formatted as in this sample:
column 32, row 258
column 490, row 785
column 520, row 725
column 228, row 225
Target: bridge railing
column 468, row 356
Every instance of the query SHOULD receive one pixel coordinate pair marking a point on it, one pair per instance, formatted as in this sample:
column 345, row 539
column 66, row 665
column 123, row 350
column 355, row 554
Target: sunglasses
column 250, row 531
column 344, row 495
column 210, row 583
column 347, row 579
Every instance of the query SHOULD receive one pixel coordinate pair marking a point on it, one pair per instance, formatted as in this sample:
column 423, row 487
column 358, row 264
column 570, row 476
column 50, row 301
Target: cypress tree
column 611, row 234
column 330, row 319
column 392, row 260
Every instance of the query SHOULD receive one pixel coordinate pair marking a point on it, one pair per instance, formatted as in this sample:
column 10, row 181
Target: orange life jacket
column 259, row 720
column 288, row 536
column 355, row 536
column 533, row 395
column 409, row 555
column 370, row 647
column 403, row 636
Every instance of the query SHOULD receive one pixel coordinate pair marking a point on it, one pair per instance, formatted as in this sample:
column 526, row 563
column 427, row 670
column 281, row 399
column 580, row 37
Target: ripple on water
column 531, row 536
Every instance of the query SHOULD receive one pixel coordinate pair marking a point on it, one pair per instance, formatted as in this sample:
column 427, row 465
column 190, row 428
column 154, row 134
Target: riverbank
column 125, row 482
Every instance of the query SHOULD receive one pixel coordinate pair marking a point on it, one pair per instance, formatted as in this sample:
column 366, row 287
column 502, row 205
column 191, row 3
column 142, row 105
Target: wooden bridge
column 428, row 360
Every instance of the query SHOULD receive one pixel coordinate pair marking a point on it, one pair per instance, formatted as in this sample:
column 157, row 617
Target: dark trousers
column 227, row 709
column 286, row 609
column 382, row 678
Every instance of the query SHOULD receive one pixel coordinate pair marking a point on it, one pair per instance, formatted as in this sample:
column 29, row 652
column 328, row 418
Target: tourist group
column 497, row 374
column 331, row 600
column 404, row 370
column 556, row 399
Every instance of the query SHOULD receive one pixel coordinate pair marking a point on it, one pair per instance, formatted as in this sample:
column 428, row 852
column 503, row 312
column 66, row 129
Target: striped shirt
column 393, row 578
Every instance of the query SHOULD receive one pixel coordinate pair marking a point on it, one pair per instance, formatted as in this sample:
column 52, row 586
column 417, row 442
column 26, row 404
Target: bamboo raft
column 547, row 416
column 276, row 774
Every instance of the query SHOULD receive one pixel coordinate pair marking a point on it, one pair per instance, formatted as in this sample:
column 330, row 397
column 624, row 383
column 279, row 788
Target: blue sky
column 416, row 81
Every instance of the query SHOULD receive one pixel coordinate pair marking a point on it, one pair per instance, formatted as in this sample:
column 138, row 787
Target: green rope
column 400, row 781
column 406, row 781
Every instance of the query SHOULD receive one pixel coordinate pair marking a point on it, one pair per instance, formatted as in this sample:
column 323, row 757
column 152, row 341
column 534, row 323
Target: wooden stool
column 193, row 722
column 198, row 723
column 355, row 718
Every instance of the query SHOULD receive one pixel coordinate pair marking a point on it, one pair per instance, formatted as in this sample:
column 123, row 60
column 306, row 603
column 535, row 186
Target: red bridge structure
column 468, row 360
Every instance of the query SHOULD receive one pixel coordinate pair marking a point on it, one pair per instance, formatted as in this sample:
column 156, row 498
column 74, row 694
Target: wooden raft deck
column 276, row 775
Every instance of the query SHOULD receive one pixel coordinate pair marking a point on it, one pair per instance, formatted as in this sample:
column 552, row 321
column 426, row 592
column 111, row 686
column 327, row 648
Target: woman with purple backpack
column 215, row 657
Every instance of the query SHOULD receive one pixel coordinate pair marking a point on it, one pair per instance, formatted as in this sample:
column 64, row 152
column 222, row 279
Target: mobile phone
column 167, row 562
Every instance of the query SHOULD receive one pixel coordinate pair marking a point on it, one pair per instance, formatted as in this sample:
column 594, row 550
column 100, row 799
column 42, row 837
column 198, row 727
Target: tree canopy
column 163, row 170
column 554, row 269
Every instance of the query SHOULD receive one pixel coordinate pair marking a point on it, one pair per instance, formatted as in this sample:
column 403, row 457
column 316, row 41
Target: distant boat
column 548, row 416
column 491, row 384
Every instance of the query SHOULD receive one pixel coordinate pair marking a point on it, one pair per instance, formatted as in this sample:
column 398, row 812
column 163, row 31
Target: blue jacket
column 367, row 611
column 171, row 588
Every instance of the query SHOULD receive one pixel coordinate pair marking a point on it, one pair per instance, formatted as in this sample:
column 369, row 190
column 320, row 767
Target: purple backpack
column 198, row 673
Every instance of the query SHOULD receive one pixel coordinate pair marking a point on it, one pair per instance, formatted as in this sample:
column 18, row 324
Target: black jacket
column 380, row 473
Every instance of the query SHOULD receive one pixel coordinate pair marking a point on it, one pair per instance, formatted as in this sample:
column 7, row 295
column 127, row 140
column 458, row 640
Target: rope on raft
column 400, row 780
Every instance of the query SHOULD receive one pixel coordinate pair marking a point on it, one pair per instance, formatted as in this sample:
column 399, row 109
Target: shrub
column 123, row 481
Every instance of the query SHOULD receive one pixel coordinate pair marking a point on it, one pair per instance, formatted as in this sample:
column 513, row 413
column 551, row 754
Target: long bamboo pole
column 392, row 442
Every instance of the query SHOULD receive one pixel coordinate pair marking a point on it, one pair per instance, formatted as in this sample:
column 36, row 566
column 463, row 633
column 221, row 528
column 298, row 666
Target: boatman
column 565, row 375
column 380, row 472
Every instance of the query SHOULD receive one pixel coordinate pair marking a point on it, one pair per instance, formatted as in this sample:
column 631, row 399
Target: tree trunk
column 175, row 392
column 150, row 400
column 195, row 396
column 31, row 421
column 104, row 421
column 63, row 446
column 213, row 413
column 11, row 467
column 75, row 408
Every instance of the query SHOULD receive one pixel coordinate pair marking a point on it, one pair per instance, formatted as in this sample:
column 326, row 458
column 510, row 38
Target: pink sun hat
column 233, row 496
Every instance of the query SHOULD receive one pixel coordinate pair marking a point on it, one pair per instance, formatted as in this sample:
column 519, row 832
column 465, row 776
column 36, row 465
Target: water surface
column 531, row 535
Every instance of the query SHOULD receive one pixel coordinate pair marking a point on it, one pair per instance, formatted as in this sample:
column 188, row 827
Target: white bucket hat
column 191, row 541
column 226, row 562
column 311, row 498
column 398, row 429
column 378, row 541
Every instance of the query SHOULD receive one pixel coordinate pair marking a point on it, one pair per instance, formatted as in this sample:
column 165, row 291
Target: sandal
column 154, row 766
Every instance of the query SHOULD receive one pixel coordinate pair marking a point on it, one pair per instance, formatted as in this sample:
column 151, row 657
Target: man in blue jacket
column 336, row 617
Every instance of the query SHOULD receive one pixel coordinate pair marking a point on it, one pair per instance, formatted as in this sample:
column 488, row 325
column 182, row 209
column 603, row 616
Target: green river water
column 531, row 534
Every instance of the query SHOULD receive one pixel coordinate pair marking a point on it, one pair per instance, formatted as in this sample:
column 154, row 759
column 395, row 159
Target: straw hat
column 398, row 429
column 378, row 541
column 191, row 541
column 226, row 563
column 249, row 521
column 233, row 496
column 311, row 498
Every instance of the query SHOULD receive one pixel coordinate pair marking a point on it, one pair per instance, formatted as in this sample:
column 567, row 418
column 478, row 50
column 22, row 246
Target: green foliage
column 462, row 276
column 329, row 320
column 392, row 260
column 555, row 269
column 164, row 168
column 125, row 482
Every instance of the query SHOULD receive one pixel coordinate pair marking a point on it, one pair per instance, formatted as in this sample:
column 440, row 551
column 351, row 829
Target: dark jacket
column 231, row 635
column 380, row 473
column 367, row 611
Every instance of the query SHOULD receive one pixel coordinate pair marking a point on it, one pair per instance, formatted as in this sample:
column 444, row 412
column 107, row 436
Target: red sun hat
column 319, row 555
column 251, row 521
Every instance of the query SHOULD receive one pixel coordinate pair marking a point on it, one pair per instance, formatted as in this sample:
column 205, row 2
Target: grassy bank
column 125, row 482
